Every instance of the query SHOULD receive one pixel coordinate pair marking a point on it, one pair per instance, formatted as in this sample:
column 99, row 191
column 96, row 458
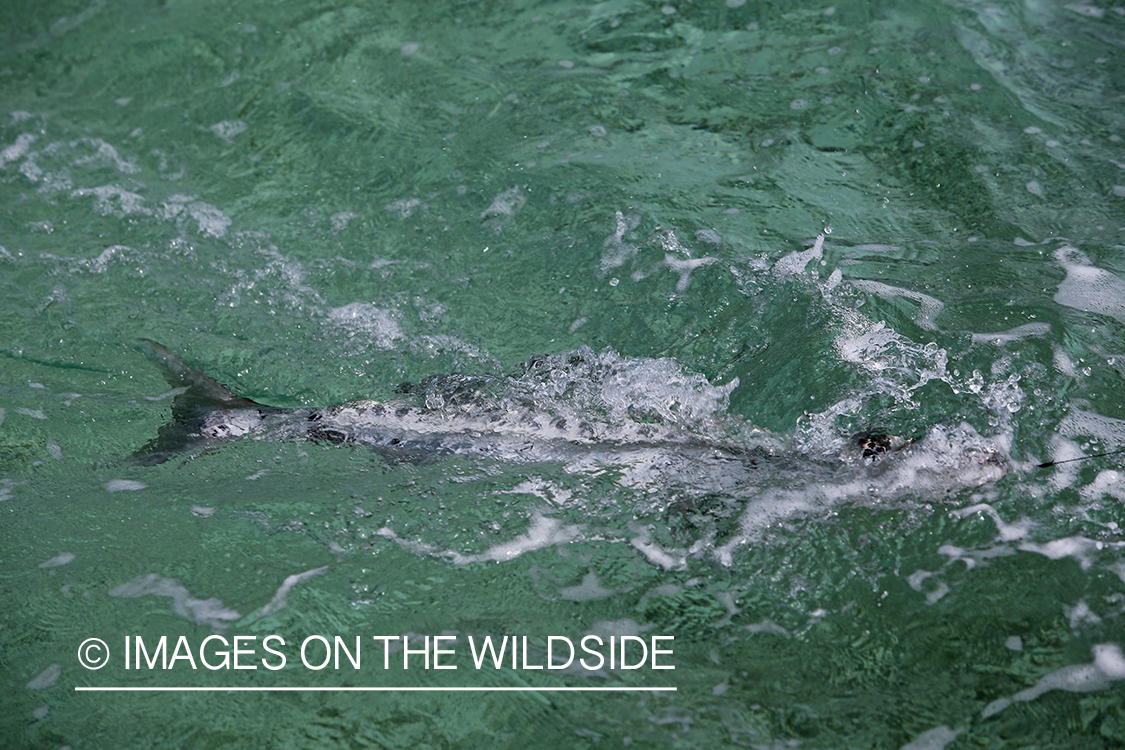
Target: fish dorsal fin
column 200, row 389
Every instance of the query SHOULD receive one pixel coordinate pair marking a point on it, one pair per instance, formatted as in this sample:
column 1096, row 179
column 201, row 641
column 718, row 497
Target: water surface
column 764, row 224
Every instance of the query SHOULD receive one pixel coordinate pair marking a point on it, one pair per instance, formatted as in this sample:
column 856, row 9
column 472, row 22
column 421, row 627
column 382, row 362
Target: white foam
column 1065, row 472
column 451, row 344
column 607, row 629
column 919, row 577
column 928, row 307
column 767, row 509
column 1004, row 398
column 210, row 220
column 507, row 203
column 710, row 236
column 1109, row 660
column 662, row 387
column 1015, row 334
column 46, row 678
column 1082, row 423
column 542, row 532
column 884, row 352
column 684, row 268
column 1089, row 288
column 228, row 129
column 404, row 208
column 163, row 166
column 119, row 485
column 1107, row 667
column 340, row 220
column 1081, row 614
column 18, row 149
column 1007, row 532
column 971, row 558
column 616, row 251
column 1108, row 482
column 1082, row 9
column 766, row 626
column 590, row 588
column 114, row 200
column 100, row 263
column 726, row 598
column 656, row 554
column 35, row 173
column 934, row 739
column 210, row 612
column 895, row 365
column 537, row 487
column 60, row 559
column 379, row 326
column 795, row 262
column 871, row 346
column 1080, row 548
column 104, row 154
column 281, row 596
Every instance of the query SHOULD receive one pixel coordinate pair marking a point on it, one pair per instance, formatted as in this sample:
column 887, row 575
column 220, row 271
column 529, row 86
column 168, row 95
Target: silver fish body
column 449, row 415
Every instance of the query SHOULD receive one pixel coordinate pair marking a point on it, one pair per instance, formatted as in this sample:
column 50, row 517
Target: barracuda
column 454, row 414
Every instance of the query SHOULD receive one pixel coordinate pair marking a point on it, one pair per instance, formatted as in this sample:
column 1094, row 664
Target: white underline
column 370, row 689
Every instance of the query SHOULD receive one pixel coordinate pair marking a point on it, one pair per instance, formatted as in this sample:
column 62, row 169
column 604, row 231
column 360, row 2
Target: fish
column 488, row 419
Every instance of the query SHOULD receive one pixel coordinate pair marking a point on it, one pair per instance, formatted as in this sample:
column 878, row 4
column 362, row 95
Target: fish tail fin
column 197, row 396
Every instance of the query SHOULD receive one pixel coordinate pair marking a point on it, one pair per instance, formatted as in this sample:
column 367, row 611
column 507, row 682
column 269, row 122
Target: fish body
column 454, row 414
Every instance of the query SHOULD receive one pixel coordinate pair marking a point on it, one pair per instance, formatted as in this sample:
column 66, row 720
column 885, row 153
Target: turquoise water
column 769, row 225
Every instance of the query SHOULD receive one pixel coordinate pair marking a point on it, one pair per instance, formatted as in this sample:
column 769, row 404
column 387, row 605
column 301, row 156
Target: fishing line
column 1049, row 464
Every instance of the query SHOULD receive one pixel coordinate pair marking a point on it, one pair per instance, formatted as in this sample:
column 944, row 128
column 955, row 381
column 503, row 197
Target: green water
column 884, row 215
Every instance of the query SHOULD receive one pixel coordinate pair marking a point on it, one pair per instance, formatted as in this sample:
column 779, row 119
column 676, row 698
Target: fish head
column 946, row 461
